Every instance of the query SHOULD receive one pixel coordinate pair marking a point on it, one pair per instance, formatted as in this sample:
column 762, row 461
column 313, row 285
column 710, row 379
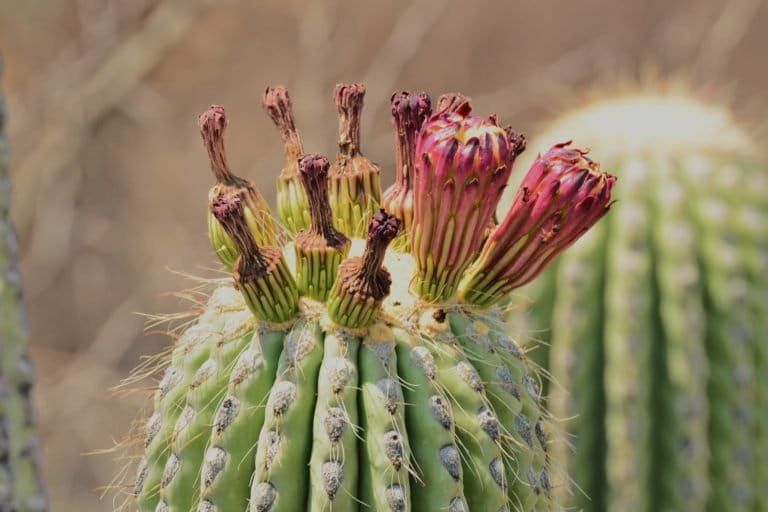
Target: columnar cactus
column 658, row 335
column 337, row 374
column 21, row 487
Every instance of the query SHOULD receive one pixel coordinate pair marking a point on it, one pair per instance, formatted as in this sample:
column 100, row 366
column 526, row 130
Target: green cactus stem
column 387, row 456
column 280, row 482
column 577, row 396
column 354, row 181
column 431, row 429
column 190, row 352
column 292, row 204
column 479, row 437
column 319, row 249
column 192, row 430
column 657, row 345
column 229, row 461
column 730, row 337
column 512, row 418
column 21, row 486
column 334, row 461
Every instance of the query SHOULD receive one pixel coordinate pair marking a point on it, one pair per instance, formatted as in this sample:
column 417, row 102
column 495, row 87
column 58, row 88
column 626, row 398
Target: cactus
column 21, row 487
column 337, row 374
column 658, row 326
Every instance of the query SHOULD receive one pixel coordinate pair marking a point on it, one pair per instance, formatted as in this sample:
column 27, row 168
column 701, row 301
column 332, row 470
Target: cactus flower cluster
column 357, row 357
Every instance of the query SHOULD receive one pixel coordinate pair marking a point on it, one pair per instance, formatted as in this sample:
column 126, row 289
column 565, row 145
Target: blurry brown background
column 111, row 179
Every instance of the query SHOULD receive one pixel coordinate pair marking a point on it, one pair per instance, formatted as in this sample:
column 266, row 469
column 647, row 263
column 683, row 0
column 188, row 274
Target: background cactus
column 308, row 382
column 20, row 484
column 658, row 329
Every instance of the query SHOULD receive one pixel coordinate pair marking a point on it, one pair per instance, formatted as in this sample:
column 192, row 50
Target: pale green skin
column 292, row 204
column 464, row 385
column 169, row 404
column 336, row 388
column 21, row 486
column 191, row 434
column 578, row 358
column 521, row 447
column 389, row 451
column 285, row 469
column 382, row 412
column 426, row 433
column 228, row 488
column 354, row 198
column 664, row 325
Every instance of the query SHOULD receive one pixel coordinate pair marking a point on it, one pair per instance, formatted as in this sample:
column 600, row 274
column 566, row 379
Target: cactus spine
column 657, row 332
column 346, row 388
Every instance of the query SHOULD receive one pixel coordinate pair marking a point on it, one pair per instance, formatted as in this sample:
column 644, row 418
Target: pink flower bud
column 461, row 168
column 562, row 196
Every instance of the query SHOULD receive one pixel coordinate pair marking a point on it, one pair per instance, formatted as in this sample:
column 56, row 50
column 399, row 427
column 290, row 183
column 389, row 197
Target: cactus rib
column 229, row 460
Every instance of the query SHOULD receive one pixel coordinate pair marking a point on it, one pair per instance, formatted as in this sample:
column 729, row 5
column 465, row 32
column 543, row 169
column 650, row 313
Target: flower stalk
column 409, row 112
column 292, row 204
column 321, row 248
column 562, row 196
column 260, row 273
column 212, row 124
column 355, row 181
column 363, row 282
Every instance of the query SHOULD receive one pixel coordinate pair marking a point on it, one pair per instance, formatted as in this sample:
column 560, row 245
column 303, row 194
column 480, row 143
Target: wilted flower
column 409, row 112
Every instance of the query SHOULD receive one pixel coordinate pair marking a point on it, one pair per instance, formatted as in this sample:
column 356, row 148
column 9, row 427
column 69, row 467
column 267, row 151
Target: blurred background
column 110, row 177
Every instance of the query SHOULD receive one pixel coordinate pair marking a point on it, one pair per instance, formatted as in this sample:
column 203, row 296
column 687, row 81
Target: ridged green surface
column 441, row 415
column 729, row 338
column 193, row 427
column 658, row 333
column 577, row 396
column 20, row 485
column 681, row 392
column 629, row 337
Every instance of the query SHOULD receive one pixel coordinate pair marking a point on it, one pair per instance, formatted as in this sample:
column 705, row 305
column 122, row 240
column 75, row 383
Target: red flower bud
column 562, row 196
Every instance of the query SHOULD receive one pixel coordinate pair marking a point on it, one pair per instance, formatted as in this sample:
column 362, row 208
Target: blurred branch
column 725, row 35
column 21, row 486
column 314, row 23
column 403, row 42
column 66, row 128
column 556, row 78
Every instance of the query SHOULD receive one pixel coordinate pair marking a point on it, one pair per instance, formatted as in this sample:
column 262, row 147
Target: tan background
column 110, row 177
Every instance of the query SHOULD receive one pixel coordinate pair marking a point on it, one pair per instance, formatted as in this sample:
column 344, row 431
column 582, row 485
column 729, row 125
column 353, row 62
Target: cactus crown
column 348, row 376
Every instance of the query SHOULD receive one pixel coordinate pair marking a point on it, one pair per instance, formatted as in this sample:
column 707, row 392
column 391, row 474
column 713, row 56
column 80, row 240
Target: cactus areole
column 366, row 367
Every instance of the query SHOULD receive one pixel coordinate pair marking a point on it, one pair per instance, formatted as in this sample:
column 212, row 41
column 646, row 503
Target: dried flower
column 212, row 124
column 355, row 181
column 409, row 111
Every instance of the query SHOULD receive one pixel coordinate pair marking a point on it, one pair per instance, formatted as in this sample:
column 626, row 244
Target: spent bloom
column 409, row 112
column 562, row 196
